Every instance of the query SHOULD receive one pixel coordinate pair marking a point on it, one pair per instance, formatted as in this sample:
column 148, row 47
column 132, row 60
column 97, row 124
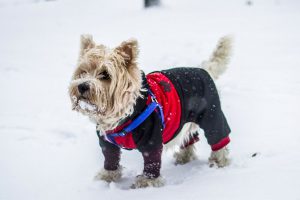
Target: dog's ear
column 86, row 42
column 129, row 51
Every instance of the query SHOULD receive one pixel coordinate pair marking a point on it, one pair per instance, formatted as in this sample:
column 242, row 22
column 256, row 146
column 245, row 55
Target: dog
column 163, row 109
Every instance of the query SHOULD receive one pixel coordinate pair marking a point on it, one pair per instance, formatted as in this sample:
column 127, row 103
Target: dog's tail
column 217, row 64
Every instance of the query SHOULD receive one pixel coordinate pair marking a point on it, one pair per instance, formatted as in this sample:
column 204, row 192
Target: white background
column 49, row 152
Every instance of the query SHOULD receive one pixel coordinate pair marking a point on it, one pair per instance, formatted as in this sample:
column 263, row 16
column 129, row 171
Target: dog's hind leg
column 185, row 155
column 187, row 151
column 220, row 158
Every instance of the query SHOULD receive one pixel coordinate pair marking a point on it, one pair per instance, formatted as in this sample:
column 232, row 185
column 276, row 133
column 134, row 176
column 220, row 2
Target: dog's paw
column 143, row 181
column 219, row 158
column 109, row 175
column 185, row 155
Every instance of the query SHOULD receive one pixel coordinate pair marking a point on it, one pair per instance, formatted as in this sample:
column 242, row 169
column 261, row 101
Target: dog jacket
column 186, row 95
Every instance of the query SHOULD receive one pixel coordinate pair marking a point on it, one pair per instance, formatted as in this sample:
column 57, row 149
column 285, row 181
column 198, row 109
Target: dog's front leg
column 151, row 173
column 112, row 170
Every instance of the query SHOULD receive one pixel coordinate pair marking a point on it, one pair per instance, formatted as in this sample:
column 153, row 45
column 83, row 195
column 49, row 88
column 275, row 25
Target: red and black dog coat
column 186, row 95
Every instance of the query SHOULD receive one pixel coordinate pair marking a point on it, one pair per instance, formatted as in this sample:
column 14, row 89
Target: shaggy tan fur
column 220, row 157
column 183, row 136
column 109, row 175
column 142, row 181
column 217, row 64
column 185, row 155
column 113, row 99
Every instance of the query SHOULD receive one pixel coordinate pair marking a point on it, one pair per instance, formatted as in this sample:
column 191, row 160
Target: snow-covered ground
column 49, row 152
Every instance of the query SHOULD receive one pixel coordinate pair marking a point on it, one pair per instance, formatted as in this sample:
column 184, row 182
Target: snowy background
column 49, row 152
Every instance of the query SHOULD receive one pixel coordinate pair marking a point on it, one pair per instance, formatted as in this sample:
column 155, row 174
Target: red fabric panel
column 119, row 128
column 221, row 144
column 168, row 98
column 125, row 141
column 192, row 140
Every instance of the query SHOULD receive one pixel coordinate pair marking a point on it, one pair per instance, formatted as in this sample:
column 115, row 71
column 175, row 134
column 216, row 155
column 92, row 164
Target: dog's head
column 106, row 82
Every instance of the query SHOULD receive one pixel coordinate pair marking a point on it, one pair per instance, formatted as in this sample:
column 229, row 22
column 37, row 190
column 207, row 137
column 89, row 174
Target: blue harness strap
column 139, row 120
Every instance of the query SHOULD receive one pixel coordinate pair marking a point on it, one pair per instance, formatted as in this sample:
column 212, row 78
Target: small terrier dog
column 132, row 110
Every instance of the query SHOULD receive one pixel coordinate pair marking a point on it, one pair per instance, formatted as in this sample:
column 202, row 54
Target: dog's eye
column 104, row 76
column 82, row 74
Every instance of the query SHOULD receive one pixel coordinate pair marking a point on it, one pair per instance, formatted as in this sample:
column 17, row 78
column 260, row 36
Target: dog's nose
column 83, row 87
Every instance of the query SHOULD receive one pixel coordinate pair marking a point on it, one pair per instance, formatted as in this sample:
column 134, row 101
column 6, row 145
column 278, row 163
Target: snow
column 47, row 151
column 87, row 106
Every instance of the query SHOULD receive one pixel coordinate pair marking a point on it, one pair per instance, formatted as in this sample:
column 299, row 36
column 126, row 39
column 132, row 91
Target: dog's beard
column 103, row 110
column 83, row 105
column 90, row 103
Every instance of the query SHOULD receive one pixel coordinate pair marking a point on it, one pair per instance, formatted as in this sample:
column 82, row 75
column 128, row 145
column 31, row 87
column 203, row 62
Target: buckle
column 153, row 97
column 122, row 133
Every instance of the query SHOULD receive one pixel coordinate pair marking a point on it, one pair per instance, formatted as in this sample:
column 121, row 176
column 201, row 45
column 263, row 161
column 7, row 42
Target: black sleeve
column 212, row 120
column 150, row 145
column 111, row 153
